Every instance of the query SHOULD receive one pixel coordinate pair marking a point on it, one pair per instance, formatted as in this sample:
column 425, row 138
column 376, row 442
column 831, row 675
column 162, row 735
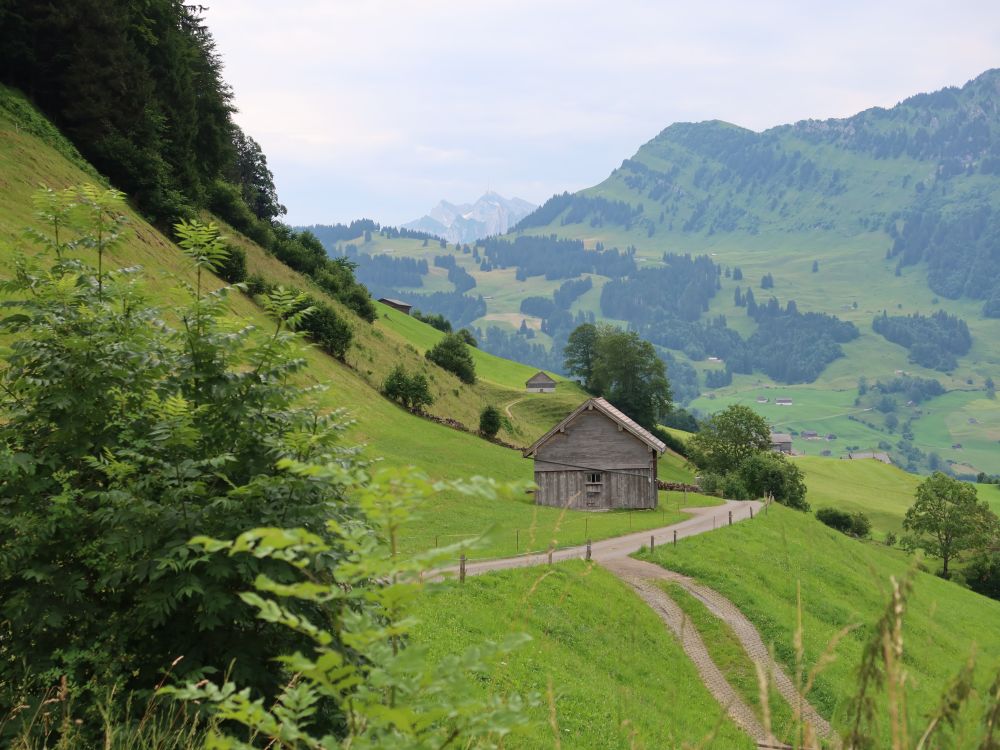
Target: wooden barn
column 596, row 459
column 540, row 383
column 395, row 304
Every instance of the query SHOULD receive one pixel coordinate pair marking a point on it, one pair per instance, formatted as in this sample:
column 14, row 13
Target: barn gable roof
column 390, row 300
column 540, row 377
column 613, row 414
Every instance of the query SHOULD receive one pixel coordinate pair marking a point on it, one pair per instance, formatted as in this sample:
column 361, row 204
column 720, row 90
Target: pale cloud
column 380, row 107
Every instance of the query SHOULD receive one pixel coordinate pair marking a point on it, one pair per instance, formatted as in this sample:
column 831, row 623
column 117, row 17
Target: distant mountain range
column 467, row 222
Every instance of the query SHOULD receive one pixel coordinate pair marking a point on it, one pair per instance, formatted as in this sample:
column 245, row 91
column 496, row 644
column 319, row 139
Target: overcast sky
column 379, row 109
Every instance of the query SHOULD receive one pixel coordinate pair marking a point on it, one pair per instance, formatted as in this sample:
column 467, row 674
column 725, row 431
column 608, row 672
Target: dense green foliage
column 452, row 354
column 120, row 438
column 679, row 289
column 435, row 320
column 771, row 474
column 733, row 451
column 383, row 274
column 934, row 341
column 622, row 368
column 139, row 91
column 948, row 519
column 136, row 87
column 855, row 524
column 324, row 327
column 357, row 682
column 728, row 438
column 412, row 391
column 554, row 258
column 490, row 421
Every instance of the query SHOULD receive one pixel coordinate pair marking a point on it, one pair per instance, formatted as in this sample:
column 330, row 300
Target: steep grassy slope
column 618, row 678
column 32, row 153
column 762, row 565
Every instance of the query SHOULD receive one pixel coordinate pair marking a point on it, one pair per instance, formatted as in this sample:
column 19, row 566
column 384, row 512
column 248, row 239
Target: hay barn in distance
column 540, row 383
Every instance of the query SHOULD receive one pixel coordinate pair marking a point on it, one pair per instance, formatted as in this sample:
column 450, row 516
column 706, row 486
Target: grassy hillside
column 761, row 565
column 32, row 153
column 618, row 678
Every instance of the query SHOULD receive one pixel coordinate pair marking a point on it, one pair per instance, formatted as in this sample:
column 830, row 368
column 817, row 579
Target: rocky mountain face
column 467, row 222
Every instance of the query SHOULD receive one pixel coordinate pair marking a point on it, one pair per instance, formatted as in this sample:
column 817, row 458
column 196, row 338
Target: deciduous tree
column 729, row 438
column 948, row 519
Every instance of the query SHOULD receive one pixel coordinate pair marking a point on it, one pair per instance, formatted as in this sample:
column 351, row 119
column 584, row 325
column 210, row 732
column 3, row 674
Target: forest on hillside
column 937, row 204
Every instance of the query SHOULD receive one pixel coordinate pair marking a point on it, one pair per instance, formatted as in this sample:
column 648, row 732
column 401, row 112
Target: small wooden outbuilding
column 781, row 442
column 597, row 458
column 540, row 383
column 395, row 304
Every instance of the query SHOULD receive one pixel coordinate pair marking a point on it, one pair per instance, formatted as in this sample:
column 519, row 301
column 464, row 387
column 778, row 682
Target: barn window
column 594, row 483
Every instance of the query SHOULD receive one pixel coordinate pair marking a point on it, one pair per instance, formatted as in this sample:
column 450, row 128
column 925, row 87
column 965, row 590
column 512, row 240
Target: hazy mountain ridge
column 491, row 214
column 924, row 172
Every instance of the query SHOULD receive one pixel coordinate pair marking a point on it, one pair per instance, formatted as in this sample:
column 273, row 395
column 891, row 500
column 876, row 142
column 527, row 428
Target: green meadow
column 766, row 566
column 616, row 676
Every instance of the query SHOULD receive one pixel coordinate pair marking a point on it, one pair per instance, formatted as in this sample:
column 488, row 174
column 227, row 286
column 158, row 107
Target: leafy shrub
column 329, row 331
column 466, row 335
column 983, row 574
column 852, row 524
column 384, row 690
column 234, row 268
column 490, row 421
column 452, row 354
column 257, row 285
column 732, row 487
column 412, row 391
column 435, row 320
column 119, row 439
column 710, row 483
column 324, row 327
column 890, row 539
column 769, row 473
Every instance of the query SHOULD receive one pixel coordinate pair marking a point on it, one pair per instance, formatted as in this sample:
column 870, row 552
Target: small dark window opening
column 594, row 478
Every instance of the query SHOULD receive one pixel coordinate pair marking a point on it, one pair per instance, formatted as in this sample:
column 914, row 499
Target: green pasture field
column 763, row 565
column 618, row 679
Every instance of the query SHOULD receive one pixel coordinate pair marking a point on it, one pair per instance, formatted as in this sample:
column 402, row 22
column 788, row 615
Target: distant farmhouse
column 395, row 304
column 781, row 442
column 861, row 455
column 783, row 401
column 762, row 399
column 540, row 383
column 810, row 434
column 597, row 458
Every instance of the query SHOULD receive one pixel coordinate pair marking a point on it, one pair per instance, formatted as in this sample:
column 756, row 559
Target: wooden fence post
column 675, row 536
column 517, row 540
column 751, row 512
column 550, row 554
column 588, row 550
column 730, row 518
column 651, row 543
column 461, row 568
